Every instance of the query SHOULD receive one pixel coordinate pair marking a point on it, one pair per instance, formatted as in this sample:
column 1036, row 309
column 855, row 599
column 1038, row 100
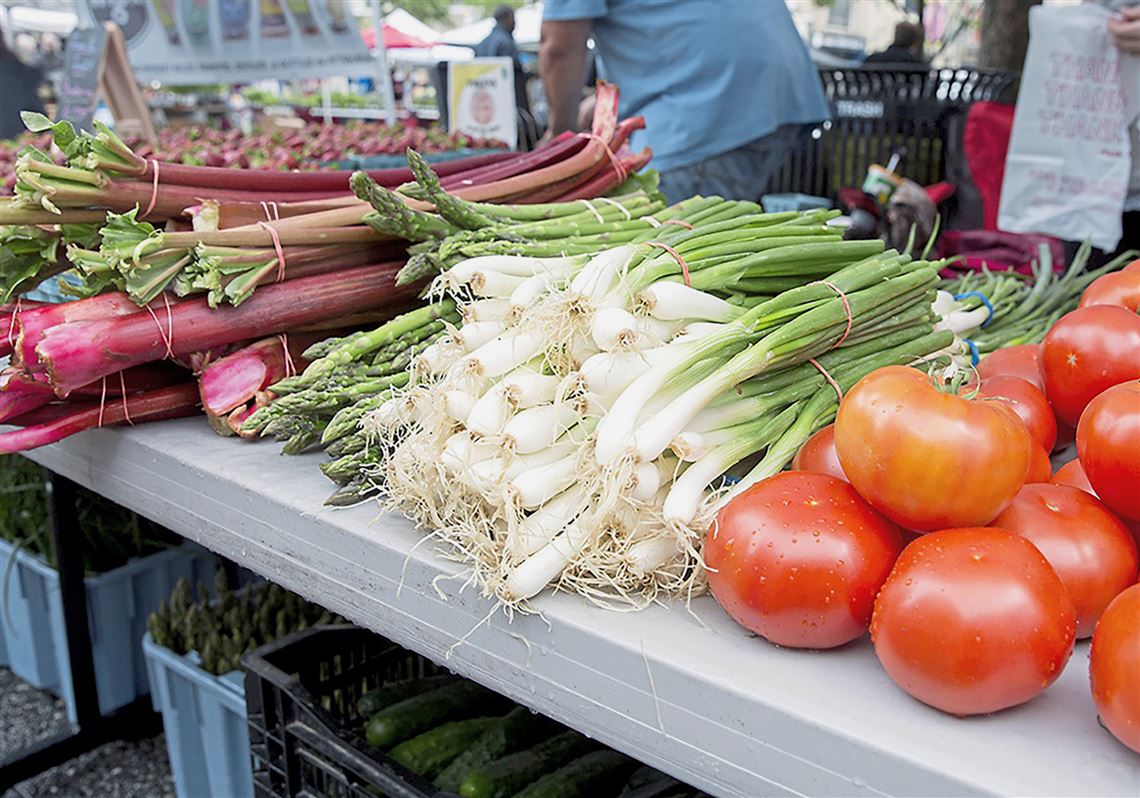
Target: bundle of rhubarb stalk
column 617, row 366
column 175, row 267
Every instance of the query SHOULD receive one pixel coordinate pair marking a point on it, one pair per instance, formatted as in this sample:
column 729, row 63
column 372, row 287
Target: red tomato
column 928, row 459
column 1028, row 402
column 798, row 559
column 972, row 621
column 1087, row 352
column 1072, row 474
column 1114, row 288
column 818, row 455
column 1134, row 266
column 1013, row 361
column 1088, row 546
column 1040, row 468
column 1108, row 445
column 1114, row 662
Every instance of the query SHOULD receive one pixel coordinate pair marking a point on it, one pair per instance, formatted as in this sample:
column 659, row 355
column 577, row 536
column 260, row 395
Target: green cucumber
column 413, row 716
column 518, row 729
column 375, row 700
column 596, row 773
column 430, row 752
column 504, row 777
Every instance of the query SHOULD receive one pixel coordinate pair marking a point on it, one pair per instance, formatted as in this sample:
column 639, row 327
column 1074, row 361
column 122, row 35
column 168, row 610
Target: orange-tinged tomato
column 1114, row 288
column 1089, row 547
column 1134, row 266
column 928, row 459
column 1028, row 401
column 1040, row 468
column 1108, row 445
column 798, row 558
column 818, row 454
column 1114, row 663
column 973, row 620
column 1013, row 361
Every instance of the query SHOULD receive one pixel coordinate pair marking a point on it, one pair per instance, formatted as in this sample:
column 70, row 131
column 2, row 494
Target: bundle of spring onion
column 575, row 429
column 1004, row 308
column 118, row 221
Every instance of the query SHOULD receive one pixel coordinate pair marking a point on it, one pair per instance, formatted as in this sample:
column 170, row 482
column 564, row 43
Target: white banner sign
column 190, row 42
column 481, row 99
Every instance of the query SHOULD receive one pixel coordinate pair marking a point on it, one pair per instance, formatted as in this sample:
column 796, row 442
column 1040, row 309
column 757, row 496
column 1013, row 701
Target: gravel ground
column 116, row 770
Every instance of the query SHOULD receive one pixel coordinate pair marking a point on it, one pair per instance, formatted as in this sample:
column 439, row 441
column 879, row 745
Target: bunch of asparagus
column 223, row 628
column 346, row 378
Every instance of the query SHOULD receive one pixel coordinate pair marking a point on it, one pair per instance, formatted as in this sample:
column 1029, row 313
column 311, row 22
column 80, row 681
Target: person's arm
column 562, row 64
column 1125, row 29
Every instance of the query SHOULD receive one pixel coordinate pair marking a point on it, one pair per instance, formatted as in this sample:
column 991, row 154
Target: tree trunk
column 1005, row 34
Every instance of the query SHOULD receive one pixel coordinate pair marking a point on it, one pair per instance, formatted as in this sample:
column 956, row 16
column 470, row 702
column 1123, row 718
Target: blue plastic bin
column 204, row 717
column 781, row 203
column 118, row 603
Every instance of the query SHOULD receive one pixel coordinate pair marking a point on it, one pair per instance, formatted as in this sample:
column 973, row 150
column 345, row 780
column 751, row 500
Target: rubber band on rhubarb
column 167, row 335
column 615, row 162
column 290, row 368
column 277, row 248
column 846, row 309
column 13, row 322
column 685, row 269
column 618, row 205
column 593, row 210
column 123, row 388
column 102, row 403
column 270, row 217
column 153, row 189
column 830, row 380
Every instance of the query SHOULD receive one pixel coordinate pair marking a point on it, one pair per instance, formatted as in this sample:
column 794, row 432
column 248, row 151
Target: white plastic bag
column 1069, row 160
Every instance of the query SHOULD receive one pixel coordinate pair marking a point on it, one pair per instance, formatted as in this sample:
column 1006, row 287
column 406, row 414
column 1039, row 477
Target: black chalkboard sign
column 82, row 69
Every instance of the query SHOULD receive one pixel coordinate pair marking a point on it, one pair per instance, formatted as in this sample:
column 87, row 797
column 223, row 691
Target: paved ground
column 117, row 770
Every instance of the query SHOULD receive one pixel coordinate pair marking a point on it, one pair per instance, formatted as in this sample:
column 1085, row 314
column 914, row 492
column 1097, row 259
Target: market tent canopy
column 404, row 22
column 393, row 38
column 528, row 22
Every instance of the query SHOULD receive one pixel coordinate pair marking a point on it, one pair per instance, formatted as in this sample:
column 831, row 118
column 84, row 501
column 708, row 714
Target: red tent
column 392, row 38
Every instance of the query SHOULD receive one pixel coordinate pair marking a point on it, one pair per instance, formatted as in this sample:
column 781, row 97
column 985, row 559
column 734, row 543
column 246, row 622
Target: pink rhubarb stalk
column 238, row 377
column 81, row 352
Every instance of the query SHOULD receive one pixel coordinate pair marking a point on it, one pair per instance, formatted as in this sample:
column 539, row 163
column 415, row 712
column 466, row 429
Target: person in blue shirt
column 726, row 86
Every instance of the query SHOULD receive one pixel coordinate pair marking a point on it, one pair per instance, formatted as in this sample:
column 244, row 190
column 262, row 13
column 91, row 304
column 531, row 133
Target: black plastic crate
column 301, row 693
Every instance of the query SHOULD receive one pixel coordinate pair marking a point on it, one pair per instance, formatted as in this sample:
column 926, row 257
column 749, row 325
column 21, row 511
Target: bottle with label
column 338, row 15
column 165, row 10
column 234, row 16
column 303, row 16
column 196, row 20
column 273, row 21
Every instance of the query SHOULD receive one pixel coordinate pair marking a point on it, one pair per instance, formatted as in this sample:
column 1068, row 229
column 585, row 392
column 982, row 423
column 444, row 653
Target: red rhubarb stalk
column 220, row 177
column 559, row 148
column 78, row 353
column 171, row 402
column 14, row 404
column 610, row 178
